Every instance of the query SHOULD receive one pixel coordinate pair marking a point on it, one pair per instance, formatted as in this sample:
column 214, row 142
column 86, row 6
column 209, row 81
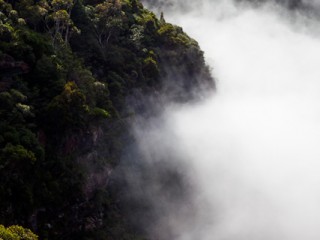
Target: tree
column 107, row 20
column 63, row 25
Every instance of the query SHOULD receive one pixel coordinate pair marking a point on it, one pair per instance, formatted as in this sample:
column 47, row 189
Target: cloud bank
column 251, row 151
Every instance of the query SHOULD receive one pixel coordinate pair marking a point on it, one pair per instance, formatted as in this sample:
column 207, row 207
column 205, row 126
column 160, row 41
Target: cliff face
column 73, row 74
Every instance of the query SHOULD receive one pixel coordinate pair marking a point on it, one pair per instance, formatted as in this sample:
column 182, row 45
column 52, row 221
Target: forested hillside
column 73, row 73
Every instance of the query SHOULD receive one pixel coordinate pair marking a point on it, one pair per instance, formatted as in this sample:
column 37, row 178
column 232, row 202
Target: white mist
column 253, row 148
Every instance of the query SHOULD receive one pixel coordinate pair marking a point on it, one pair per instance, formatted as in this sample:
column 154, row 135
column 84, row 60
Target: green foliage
column 174, row 35
column 38, row 42
column 107, row 21
column 47, row 77
column 148, row 20
column 99, row 112
column 16, row 232
column 150, row 68
column 69, row 109
column 16, row 153
column 5, row 234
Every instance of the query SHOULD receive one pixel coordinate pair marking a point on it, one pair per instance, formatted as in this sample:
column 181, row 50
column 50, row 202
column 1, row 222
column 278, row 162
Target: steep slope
column 72, row 75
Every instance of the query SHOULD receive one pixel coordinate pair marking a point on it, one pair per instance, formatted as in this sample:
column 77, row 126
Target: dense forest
column 73, row 74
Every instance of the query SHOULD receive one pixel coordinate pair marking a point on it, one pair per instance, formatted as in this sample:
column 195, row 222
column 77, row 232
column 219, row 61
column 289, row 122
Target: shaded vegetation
column 71, row 74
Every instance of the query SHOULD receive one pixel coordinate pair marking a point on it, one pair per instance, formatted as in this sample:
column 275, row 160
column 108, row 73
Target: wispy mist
column 251, row 151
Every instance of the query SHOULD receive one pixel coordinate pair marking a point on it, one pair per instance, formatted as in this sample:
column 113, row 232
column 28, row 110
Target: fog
column 251, row 149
